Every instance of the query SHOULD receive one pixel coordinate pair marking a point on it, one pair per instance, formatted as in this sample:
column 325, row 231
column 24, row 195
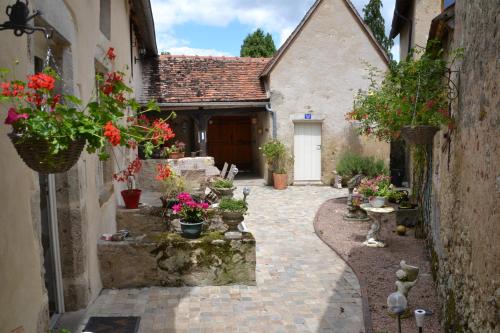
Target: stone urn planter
column 191, row 230
column 280, row 181
column 377, row 202
column 224, row 192
column 232, row 219
column 419, row 135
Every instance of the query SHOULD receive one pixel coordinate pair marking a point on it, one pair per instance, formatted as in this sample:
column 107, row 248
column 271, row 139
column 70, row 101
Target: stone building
column 463, row 205
column 228, row 107
column 51, row 224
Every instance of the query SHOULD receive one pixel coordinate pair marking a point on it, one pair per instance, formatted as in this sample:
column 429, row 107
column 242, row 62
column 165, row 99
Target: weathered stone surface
column 466, row 211
column 197, row 168
column 140, row 221
column 169, row 260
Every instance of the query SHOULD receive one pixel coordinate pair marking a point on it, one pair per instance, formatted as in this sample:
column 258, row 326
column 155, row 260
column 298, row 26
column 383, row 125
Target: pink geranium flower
column 13, row 116
column 184, row 197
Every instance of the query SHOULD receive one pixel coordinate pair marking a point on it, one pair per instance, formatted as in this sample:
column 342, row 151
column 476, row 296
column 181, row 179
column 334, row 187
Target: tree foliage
column 373, row 18
column 258, row 45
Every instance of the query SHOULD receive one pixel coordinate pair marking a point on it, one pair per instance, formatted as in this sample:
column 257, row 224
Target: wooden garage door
column 229, row 139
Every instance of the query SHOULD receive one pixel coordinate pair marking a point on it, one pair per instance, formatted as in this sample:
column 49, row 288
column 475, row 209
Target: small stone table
column 376, row 214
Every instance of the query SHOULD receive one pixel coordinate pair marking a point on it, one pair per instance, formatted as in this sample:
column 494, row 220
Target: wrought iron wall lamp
column 19, row 16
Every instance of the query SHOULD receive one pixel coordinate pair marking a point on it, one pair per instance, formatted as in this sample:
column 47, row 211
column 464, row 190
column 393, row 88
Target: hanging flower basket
column 419, row 135
column 36, row 154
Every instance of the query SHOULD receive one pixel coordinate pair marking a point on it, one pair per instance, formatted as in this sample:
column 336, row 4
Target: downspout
column 273, row 116
column 410, row 33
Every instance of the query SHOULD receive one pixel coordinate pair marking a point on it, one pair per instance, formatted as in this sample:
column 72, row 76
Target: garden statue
column 354, row 212
column 407, row 278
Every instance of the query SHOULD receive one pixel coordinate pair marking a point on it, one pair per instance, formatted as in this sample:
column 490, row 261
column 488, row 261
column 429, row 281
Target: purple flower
column 13, row 116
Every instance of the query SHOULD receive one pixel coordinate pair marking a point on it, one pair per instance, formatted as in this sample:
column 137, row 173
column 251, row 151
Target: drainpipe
column 273, row 116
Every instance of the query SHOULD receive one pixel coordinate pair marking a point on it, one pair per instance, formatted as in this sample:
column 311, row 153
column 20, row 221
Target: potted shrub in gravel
column 224, row 188
column 376, row 190
column 192, row 215
column 232, row 211
column 275, row 153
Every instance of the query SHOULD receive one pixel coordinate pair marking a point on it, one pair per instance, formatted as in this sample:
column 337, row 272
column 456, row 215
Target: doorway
column 307, row 152
column 229, row 139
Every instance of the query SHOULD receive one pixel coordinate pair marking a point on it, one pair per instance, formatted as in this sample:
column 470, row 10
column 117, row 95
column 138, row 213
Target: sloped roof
column 401, row 11
column 142, row 17
column 304, row 21
column 191, row 79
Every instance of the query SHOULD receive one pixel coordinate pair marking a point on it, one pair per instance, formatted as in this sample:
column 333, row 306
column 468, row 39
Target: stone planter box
column 407, row 216
column 167, row 259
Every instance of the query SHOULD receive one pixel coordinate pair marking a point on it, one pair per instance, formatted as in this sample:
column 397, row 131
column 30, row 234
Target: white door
column 307, row 152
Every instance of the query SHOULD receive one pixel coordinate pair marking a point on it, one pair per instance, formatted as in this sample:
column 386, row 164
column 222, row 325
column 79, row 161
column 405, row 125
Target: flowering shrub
column 412, row 92
column 163, row 171
column 189, row 210
column 129, row 172
column 375, row 187
column 37, row 111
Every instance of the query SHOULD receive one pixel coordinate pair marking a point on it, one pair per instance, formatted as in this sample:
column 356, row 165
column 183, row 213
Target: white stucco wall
column 24, row 298
column 319, row 74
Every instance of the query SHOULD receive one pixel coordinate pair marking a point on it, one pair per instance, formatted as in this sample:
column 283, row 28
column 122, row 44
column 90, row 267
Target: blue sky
column 218, row 27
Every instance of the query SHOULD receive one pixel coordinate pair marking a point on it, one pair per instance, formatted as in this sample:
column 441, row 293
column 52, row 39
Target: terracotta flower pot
column 280, row 181
column 176, row 155
column 131, row 198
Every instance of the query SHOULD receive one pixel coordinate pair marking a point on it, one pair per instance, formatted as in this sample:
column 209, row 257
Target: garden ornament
column 397, row 305
column 354, row 212
column 246, row 193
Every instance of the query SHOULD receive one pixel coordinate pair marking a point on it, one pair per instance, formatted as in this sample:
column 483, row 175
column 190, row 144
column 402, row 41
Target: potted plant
column 50, row 129
column 131, row 196
column 192, row 215
column 175, row 151
column 171, row 187
column 411, row 101
column 376, row 190
column 224, row 188
column 232, row 211
column 275, row 153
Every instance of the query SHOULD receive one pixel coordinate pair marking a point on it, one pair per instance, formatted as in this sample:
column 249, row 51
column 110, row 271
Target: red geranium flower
column 161, row 131
column 41, row 81
column 163, row 171
column 112, row 133
column 110, row 54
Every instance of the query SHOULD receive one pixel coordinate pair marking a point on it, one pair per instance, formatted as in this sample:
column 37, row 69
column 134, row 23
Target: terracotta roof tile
column 188, row 79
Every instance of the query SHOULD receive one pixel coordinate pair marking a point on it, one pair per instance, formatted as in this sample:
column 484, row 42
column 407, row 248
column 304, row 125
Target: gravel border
column 345, row 239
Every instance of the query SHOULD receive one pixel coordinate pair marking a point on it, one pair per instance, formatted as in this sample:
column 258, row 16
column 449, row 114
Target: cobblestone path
column 302, row 285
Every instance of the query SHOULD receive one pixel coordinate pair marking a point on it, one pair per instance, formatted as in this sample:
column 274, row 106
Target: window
column 105, row 18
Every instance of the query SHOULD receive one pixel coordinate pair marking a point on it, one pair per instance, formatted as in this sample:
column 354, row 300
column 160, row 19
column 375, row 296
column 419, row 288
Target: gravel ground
column 376, row 267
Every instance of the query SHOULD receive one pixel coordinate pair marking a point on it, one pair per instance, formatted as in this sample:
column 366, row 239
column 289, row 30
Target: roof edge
column 147, row 31
column 270, row 66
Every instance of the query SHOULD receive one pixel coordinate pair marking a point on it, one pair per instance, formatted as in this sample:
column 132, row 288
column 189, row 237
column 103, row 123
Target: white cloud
column 275, row 16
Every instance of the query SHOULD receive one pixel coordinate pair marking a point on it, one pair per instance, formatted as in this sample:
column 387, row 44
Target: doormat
column 112, row 325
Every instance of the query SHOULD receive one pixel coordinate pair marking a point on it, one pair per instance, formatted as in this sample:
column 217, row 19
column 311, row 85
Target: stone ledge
column 168, row 259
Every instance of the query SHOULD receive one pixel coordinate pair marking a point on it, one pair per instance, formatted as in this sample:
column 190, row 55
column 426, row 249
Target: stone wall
column 197, row 169
column 170, row 260
column 466, row 179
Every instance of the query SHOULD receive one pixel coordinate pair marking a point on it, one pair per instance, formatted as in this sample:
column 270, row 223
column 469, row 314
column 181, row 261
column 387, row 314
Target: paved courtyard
column 302, row 285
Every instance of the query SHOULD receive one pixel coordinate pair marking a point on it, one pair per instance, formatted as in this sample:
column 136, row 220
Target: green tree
column 376, row 22
column 258, row 45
